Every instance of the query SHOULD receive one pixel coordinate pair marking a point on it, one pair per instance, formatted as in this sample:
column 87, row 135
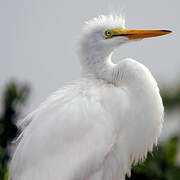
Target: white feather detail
column 102, row 21
column 72, row 131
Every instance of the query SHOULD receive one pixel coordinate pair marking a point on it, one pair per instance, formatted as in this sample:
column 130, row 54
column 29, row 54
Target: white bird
column 97, row 127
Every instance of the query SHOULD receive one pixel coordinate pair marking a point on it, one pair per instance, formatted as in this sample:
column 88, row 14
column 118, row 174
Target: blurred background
column 38, row 43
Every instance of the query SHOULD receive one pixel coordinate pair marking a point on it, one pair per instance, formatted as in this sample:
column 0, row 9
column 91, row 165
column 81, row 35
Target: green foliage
column 3, row 167
column 170, row 151
column 14, row 96
column 171, row 100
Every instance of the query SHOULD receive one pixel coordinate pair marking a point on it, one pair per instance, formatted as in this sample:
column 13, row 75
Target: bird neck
column 129, row 74
column 98, row 64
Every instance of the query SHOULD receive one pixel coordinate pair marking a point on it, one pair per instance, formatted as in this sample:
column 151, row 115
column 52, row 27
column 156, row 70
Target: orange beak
column 135, row 34
column 141, row 34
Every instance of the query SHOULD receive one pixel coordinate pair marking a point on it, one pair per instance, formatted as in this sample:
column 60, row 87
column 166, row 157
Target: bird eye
column 107, row 33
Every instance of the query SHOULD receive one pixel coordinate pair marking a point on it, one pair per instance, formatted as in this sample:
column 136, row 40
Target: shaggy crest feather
column 102, row 21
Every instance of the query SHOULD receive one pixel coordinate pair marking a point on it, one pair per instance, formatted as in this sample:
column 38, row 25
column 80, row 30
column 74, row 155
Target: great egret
column 98, row 126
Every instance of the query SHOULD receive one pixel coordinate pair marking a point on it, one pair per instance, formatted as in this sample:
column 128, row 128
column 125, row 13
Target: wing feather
column 69, row 137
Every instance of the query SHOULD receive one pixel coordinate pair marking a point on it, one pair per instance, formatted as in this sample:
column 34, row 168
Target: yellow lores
column 134, row 34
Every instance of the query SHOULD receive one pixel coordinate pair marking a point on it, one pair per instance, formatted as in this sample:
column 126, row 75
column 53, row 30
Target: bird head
column 108, row 32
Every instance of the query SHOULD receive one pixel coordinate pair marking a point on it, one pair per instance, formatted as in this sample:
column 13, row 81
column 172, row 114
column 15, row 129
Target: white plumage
column 94, row 128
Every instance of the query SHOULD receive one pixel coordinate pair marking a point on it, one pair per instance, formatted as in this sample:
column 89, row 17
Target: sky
column 39, row 39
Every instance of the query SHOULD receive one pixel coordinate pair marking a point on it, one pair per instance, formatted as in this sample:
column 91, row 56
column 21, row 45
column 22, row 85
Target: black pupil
column 108, row 33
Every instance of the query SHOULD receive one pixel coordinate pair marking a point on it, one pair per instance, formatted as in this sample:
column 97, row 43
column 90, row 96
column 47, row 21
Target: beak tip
column 166, row 31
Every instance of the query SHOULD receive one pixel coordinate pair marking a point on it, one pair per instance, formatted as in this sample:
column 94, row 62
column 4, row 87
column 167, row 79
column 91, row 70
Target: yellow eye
column 107, row 33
